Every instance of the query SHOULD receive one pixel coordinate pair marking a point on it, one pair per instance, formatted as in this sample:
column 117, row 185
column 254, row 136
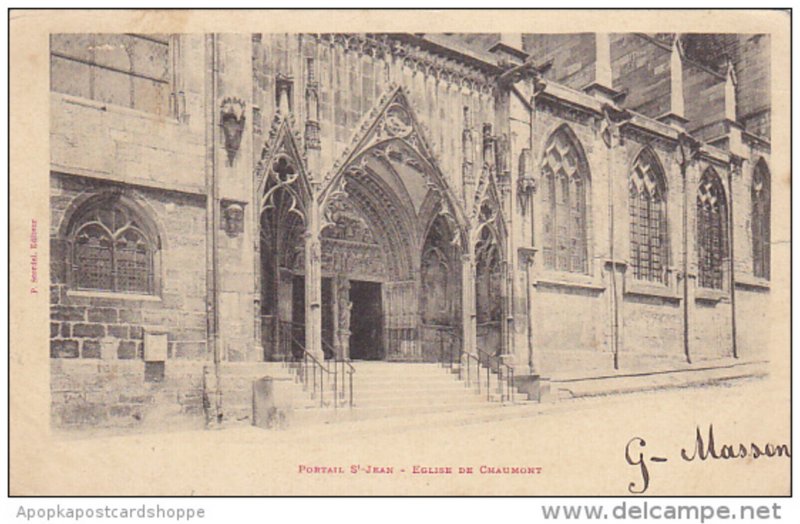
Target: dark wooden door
column 366, row 321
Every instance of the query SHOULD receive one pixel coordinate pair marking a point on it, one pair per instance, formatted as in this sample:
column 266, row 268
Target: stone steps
column 380, row 390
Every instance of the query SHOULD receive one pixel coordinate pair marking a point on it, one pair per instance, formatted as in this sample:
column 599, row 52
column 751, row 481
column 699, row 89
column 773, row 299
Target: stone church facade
column 567, row 206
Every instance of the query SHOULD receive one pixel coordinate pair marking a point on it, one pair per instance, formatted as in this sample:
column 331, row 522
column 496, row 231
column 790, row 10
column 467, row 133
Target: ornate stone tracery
column 648, row 219
column 392, row 132
column 371, row 228
column 565, row 181
column 389, row 47
column 282, row 171
column 712, row 230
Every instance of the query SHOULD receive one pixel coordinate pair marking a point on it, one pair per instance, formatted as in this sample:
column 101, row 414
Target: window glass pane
column 112, row 87
column 78, row 46
column 711, row 230
column 112, row 51
column 70, row 77
column 93, row 259
column 564, row 200
column 150, row 59
column 647, row 218
column 110, row 253
column 120, row 69
column 132, row 260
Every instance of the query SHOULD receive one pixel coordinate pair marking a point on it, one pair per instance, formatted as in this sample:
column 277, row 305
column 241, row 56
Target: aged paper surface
column 543, row 198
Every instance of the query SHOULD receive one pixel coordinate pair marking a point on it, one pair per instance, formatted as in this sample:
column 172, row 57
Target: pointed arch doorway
column 390, row 178
column 368, row 265
column 391, row 256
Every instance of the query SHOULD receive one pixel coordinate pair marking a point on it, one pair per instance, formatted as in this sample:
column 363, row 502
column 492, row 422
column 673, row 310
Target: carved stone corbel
column 688, row 150
column 232, row 119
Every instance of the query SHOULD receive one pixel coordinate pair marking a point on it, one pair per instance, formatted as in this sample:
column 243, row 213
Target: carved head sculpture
column 232, row 119
column 233, row 216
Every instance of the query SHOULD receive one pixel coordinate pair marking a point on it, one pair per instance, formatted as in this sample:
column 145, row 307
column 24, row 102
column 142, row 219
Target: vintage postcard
column 400, row 252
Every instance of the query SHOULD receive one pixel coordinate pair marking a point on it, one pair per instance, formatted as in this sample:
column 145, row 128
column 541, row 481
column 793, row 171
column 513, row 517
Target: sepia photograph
column 431, row 260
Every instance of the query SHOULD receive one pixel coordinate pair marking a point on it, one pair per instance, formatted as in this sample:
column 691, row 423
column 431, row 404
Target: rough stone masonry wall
column 704, row 101
column 752, row 61
column 104, row 393
column 81, row 323
column 573, row 56
column 641, row 68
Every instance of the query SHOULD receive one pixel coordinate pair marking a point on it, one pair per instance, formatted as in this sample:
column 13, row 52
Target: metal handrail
column 499, row 367
column 477, row 360
column 450, row 333
column 322, row 369
column 350, row 371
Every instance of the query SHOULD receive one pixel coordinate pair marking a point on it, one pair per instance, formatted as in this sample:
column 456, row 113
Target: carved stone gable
column 392, row 132
column 281, row 169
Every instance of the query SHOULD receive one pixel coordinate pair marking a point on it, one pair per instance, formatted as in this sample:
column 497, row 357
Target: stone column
column 313, row 269
column 335, row 316
column 468, row 303
column 343, row 308
column 615, row 265
column 526, row 262
column 687, row 155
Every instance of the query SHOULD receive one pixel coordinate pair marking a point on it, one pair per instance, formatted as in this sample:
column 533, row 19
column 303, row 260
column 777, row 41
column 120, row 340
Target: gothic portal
column 390, row 246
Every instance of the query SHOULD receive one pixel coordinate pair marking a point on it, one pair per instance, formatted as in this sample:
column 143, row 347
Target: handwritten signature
column 705, row 448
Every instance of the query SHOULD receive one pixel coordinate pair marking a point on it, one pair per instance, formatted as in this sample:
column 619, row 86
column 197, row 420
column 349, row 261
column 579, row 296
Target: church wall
column 753, row 335
column 712, row 336
column 651, row 333
column 704, row 99
column 158, row 162
column 641, row 68
column 573, row 56
column 114, row 142
column 351, row 79
column 569, row 309
column 522, row 234
column 97, row 339
column 752, row 294
column 162, row 162
column 239, row 335
column 752, row 63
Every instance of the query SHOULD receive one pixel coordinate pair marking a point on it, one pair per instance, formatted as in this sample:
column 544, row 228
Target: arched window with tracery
column 112, row 249
column 712, row 242
column 648, row 218
column 760, row 227
column 565, row 177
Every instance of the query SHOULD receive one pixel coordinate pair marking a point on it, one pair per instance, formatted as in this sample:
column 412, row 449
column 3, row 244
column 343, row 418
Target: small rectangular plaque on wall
column 155, row 347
